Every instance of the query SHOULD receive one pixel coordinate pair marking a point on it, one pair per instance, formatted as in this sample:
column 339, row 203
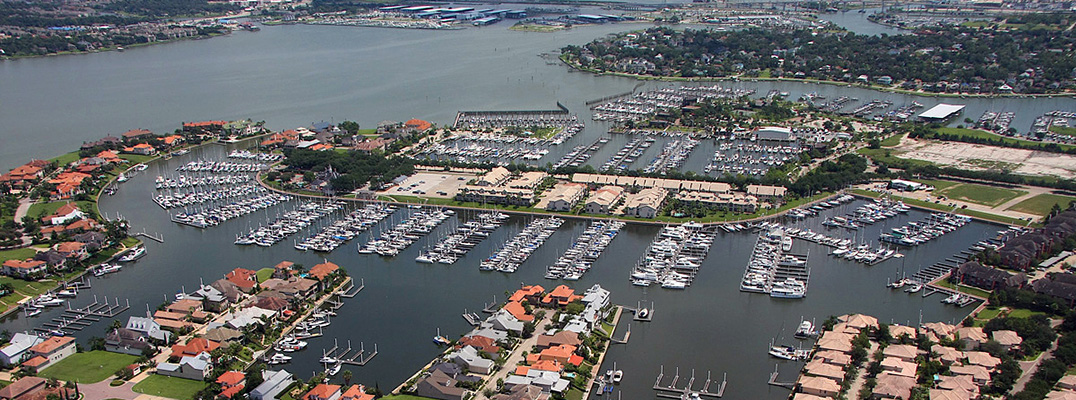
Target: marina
column 687, row 392
column 774, row 270
column 466, row 236
column 420, row 223
column 183, row 198
column 189, row 181
column 585, row 250
column 918, row 232
column 289, row 223
column 214, row 214
column 341, row 230
column 674, row 258
column 672, row 156
column 632, row 150
column 517, row 249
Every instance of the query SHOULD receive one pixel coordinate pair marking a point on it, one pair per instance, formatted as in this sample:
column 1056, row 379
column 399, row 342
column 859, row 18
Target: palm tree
column 347, row 377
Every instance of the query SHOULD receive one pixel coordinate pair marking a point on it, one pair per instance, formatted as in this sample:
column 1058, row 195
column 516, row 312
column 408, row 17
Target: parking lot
column 430, row 184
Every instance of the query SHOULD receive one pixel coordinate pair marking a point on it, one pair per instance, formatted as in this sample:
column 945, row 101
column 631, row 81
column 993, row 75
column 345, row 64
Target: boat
column 106, row 269
column 783, row 352
column 134, row 254
column 643, row 313
column 279, row 359
column 67, row 293
column 121, row 178
column 618, row 376
column 441, row 340
column 805, row 330
column 328, row 360
column 334, row 370
column 57, row 332
column 33, row 312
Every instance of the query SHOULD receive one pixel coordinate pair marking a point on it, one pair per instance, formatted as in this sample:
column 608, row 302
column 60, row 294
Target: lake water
column 293, row 75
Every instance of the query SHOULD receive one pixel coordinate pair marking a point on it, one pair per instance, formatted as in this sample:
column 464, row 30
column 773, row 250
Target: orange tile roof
column 356, row 392
column 52, row 344
column 321, row 271
column 575, row 360
column 321, row 391
column 169, row 140
column 559, row 353
column 35, row 362
column 522, row 370
column 24, row 264
column 69, row 247
column 231, row 391
column 548, row 365
column 242, row 277
column 417, row 124
column 525, row 292
column 231, row 378
column 143, row 146
column 194, row 347
column 84, row 224
column 517, row 310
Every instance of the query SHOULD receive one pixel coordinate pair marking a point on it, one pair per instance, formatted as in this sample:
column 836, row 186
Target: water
column 293, row 75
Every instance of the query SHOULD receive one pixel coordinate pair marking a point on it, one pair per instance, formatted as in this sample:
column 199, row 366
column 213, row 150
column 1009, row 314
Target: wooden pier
column 360, row 357
column 472, row 318
column 74, row 319
column 671, row 391
column 627, row 335
column 351, row 290
column 159, row 238
column 491, row 307
column 773, row 380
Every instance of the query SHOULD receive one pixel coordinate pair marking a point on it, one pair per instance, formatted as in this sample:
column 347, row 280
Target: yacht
column 134, row 254
column 328, row 360
column 618, row 376
column 334, row 370
column 805, row 330
column 279, row 359
column 643, row 313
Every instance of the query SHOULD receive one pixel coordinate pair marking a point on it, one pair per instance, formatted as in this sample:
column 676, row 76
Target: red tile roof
column 321, row 271
column 24, row 264
column 418, row 124
column 52, row 344
column 321, row 392
column 231, row 378
column 231, row 391
column 356, row 392
column 517, row 310
column 527, row 291
column 194, row 347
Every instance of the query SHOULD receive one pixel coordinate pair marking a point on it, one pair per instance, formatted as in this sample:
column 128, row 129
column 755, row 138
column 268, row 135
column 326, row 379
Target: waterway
column 294, row 75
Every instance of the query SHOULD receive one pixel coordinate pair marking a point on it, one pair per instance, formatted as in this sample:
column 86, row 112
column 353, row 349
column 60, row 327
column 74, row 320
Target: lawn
column 136, row 158
column 988, row 314
column 66, row 158
column 89, row 367
column 170, row 387
column 1041, row 204
column 264, row 274
column 980, row 194
column 16, row 254
column 1023, row 313
column 991, row 136
column 38, row 210
column 892, row 140
column 938, row 184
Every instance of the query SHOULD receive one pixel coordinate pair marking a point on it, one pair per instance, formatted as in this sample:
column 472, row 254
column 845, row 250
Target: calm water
column 294, row 75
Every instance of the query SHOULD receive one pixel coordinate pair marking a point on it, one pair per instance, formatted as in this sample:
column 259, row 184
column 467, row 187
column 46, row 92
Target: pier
column 74, row 319
column 773, row 380
column 672, row 391
column 359, row 358
column 472, row 318
column 491, row 307
column 159, row 238
column 351, row 290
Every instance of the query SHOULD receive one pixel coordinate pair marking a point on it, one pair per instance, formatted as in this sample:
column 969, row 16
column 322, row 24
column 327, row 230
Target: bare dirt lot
column 980, row 157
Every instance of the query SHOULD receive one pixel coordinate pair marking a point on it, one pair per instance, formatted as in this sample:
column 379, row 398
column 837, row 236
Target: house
column 521, row 392
column 772, row 194
column 136, row 134
column 356, row 392
column 24, row 268
column 563, row 197
column 891, row 386
column 531, row 294
column 184, row 306
column 438, row 385
column 899, row 367
column 902, row 351
column 562, row 337
column 979, row 374
column 834, row 357
column 560, row 297
column 818, row 386
column 480, row 343
column 244, row 279
column 323, row 391
column 248, row 316
column 974, row 274
column 527, row 180
column 971, row 336
column 822, row 369
column 194, row 368
column 223, row 335
column 283, row 270
column 212, row 298
column 273, row 383
column 126, row 341
column 947, row 355
column 144, row 149
column 958, row 383
column 561, row 353
column 271, row 303
column 417, row 125
column 603, row 199
column 194, row 347
column 66, row 213
column 231, row 383
column 1067, row 382
column 1049, row 287
column 24, row 388
column 16, row 350
column 468, row 357
column 518, row 311
column 53, row 349
column 495, row 177
column 645, row 204
column 72, row 250
column 323, row 270
column 983, row 359
column 544, row 381
column 504, row 322
column 147, row 326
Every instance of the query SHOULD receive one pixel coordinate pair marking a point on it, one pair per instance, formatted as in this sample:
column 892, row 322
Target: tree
column 350, row 127
column 347, row 373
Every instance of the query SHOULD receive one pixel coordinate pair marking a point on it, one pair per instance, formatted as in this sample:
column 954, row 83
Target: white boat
column 805, row 330
column 783, row 352
column 328, row 360
column 67, row 293
column 33, row 312
column 279, row 359
column 618, row 376
column 644, row 312
column 134, row 254
column 334, row 370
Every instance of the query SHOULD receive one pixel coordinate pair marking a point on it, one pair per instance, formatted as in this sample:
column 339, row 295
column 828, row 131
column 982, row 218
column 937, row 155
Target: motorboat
column 644, row 312
column 618, row 376
column 134, row 254
column 279, row 359
column 328, row 360
column 334, row 370
column 805, row 330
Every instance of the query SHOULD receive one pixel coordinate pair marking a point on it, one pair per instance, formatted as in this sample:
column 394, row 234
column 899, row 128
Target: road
column 514, row 359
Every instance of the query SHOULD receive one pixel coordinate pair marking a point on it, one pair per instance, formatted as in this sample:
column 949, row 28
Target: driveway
column 102, row 390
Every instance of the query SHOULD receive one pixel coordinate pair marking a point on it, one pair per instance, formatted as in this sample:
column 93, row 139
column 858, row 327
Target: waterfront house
column 244, row 279
column 480, row 343
column 323, row 270
column 136, row 134
column 891, row 386
column 559, row 338
column 273, row 383
column 223, row 335
column 23, row 176
column 273, row 303
column 194, row 368
column 518, row 311
column 231, row 383
column 72, row 250
column 212, row 298
column 356, row 392
column 560, row 297
column 820, row 368
column 24, row 268
column 16, row 350
column 438, row 385
column 563, row 197
column 147, row 326
column 818, row 386
column 50, row 351
column 834, row 358
column 185, row 306
column 531, row 294
column 644, row 204
column 172, row 320
column 899, row 331
column 144, row 149
column 503, row 321
column 974, row 274
column 603, row 199
column 194, row 347
column 126, row 341
column 468, row 357
column 937, row 330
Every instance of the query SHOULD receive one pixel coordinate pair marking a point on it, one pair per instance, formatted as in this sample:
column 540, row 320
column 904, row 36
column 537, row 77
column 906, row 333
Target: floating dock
column 672, row 391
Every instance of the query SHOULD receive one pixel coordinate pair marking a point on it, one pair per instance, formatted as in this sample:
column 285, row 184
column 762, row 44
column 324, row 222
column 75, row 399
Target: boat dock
column 74, row 319
column 773, row 380
column 671, row 391
column 351, row 290
column 159, row 238
column 648, row 315
column 491, row 307
column 472, row 318
column 360, row 357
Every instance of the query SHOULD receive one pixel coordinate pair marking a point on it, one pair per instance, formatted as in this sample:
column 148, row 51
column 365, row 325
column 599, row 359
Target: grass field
column 264, row 274
column 136, row 158
column 938, row 184
column 964, row 289
column 16, row 254
column 892, row 140
column 1041, row 204
column 170, row 387
column 987, row 135
column 988, row 314
column 1063, row 130
column 89, row 367
column 1024, row 313
column 66, row 158
column 980, row 194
